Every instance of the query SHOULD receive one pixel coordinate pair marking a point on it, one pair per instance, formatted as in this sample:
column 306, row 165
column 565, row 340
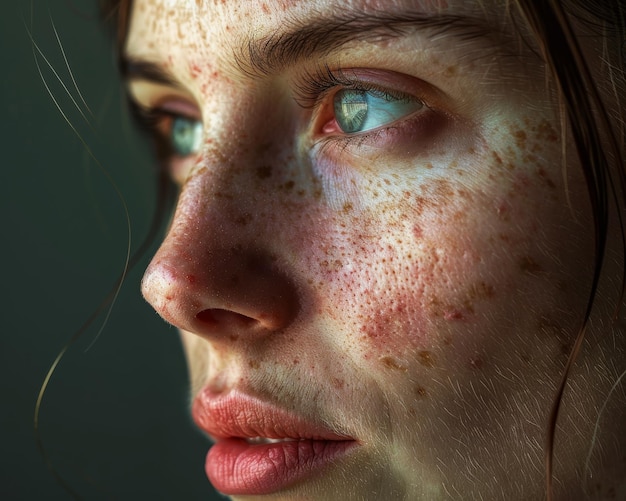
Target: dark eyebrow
column 321, row 36
column 132, row 68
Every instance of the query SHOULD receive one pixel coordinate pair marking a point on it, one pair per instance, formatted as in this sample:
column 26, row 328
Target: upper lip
column 239, row 415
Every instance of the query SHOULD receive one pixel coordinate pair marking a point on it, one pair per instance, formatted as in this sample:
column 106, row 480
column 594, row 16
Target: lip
column 238, row 465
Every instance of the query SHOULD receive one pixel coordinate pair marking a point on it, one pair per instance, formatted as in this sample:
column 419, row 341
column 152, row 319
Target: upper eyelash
column 146, row 118
column 312, row 86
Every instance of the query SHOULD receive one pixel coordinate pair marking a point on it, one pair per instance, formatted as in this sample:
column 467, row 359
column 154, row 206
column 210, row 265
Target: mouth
column 260, row 448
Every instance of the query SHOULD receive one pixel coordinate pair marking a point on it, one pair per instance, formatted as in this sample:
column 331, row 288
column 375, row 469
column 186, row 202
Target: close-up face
column 382, row 248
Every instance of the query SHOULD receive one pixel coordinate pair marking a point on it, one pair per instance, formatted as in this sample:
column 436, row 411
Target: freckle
column 392, row 363
column 528, row 265
column 546, row 179
column 347, row 207
column 546, row 132
column 497, row 157
column 288, row 186
column 428, row 166
column 425, row 358
column 233, row 337
column 450, row 71
column 421, row 392
column 253, row 364
column 520, row 138
column 296, row 361
column 338, row 383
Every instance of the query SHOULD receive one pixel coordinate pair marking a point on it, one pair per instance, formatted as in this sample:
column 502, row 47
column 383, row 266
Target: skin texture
column 417, row 287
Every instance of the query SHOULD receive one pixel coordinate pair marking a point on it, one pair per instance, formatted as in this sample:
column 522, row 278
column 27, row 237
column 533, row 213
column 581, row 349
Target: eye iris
column 351, row 109
column 186, row 136
column 358, row 110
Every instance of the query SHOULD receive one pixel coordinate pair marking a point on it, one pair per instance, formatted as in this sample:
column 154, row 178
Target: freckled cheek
column 403, row 285
column 385, row 290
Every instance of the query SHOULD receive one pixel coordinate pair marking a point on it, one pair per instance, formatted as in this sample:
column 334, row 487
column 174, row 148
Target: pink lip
column 235, row 466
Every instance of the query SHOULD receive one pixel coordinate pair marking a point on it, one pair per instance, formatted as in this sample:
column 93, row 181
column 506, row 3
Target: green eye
column 186, row 136
column 362, row 110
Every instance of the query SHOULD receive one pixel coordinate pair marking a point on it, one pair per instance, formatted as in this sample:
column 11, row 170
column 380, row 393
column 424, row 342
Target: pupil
column 350, row 109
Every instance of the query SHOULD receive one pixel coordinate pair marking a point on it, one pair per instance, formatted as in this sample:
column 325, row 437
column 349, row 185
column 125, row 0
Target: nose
column 214, row 275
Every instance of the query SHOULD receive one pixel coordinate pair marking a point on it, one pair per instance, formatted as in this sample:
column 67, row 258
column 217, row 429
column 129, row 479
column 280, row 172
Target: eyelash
column 150, row 121
column 312, row 87
column 311, row 90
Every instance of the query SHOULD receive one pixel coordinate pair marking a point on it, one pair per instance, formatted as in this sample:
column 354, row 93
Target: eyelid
column 151, row 96
column 310, row 87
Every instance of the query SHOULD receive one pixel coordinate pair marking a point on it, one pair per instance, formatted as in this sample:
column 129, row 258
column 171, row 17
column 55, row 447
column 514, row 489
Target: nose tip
column 225, row 294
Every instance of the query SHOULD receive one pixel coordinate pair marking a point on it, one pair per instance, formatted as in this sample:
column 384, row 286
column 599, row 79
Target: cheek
column 451, row 261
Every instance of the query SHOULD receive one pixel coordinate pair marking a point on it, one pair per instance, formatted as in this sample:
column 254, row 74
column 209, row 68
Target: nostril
column 217, row 316
column 206, row 317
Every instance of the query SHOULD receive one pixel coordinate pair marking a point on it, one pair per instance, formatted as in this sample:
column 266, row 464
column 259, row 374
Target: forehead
column 209, row 26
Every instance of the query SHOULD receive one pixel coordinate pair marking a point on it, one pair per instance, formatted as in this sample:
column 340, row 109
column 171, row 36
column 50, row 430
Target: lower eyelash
column 341, row 143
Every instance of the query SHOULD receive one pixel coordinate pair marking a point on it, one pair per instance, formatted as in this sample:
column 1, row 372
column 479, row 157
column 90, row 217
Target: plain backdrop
column 114, row 420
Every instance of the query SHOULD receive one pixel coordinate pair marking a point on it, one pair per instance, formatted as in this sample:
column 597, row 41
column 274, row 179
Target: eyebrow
column 133, row 68
column 321, row 36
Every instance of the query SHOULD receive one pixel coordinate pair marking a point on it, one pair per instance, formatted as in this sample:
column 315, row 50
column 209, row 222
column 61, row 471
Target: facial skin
column 416, row 286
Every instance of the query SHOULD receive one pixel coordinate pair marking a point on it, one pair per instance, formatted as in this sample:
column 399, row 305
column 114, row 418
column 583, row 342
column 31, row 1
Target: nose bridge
column 215, row 272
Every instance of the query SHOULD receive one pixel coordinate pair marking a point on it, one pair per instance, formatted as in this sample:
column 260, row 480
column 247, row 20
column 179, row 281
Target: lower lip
column 236, row 467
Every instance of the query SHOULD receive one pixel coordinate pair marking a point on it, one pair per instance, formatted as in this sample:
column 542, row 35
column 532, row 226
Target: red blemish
column 195, row 70
column 191, row 279
column 453, row 315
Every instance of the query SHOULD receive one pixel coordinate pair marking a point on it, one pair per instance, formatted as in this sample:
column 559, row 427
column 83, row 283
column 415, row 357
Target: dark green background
column 115, row 418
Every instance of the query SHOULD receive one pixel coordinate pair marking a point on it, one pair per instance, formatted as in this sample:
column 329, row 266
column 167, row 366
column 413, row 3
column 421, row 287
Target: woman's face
column 377, row 256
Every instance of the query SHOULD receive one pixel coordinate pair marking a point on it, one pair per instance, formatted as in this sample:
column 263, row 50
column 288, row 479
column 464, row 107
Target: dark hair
column 594, row 136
